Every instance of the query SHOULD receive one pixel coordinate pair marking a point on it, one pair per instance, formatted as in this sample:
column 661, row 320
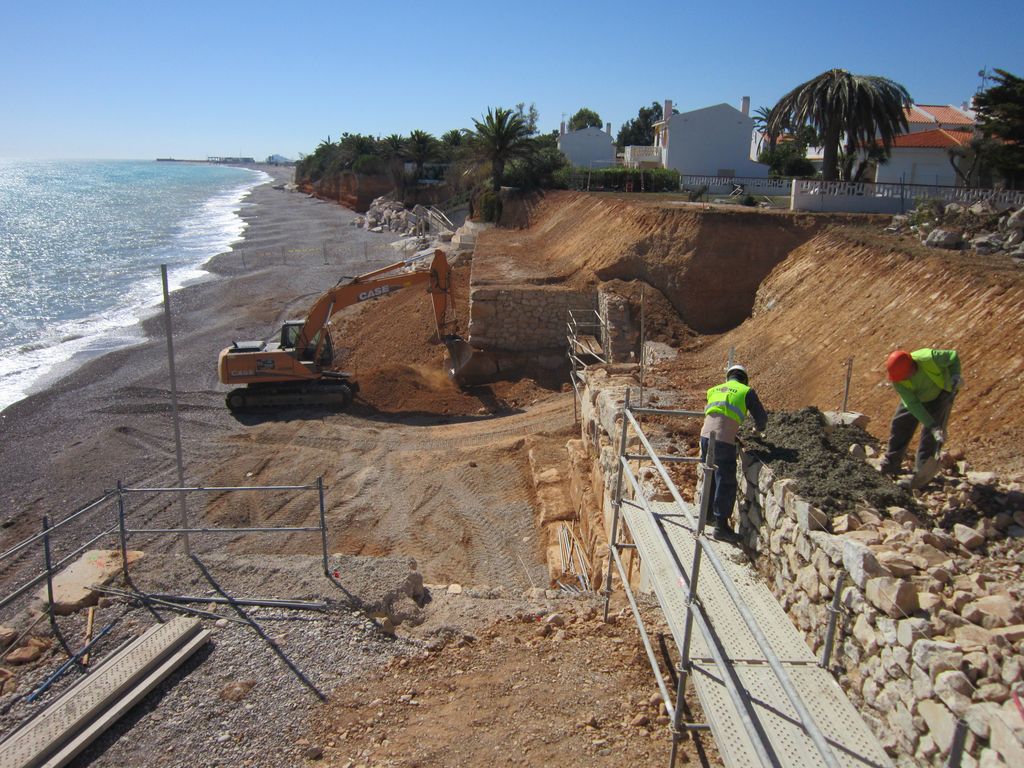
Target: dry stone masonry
column 931, row 629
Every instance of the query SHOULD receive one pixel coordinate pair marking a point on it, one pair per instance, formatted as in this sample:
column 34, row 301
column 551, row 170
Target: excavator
column 296, row 367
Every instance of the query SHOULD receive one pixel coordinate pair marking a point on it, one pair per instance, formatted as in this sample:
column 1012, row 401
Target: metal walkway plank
column 41, row 737
column 854, row 744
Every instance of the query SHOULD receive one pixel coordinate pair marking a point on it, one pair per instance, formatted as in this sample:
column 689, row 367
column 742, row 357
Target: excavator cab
column 290, row 333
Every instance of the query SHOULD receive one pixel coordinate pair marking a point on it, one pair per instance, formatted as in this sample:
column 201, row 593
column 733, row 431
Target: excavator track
column 332, row 394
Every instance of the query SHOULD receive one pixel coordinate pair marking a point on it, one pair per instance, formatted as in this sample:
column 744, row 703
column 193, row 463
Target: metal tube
column 75, row 659
column 223, row 530
column 174, row 402
column 667, row 412
column 616, row 503
column 323, row 521
column 36, row 537
column 651, row 656
column 956, row 751
column 669, row 459
column 846, row 389
column 299, row 605
column 123, row 533
column 49, row 588
column 830, row 633
column 652, row 455
column 219, row 489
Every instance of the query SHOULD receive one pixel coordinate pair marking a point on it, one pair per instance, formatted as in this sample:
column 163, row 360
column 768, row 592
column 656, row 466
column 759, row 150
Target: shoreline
column 108, row 419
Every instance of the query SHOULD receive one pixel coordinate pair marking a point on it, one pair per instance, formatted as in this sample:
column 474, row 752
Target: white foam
column 36, row 364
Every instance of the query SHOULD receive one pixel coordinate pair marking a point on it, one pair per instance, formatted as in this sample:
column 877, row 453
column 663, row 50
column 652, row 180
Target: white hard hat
column 737, row 369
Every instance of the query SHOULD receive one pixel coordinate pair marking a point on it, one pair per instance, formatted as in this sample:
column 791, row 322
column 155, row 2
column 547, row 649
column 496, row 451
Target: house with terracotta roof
column 921, row 156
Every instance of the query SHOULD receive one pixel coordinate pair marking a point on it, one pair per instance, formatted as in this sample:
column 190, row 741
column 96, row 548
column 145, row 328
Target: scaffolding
column 767, row 701
column 584, row 331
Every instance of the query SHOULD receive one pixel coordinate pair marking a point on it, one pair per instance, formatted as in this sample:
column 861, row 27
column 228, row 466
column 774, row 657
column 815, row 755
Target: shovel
column 929, row 469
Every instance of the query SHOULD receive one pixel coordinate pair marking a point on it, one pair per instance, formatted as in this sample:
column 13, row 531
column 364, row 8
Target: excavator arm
column 382, row 282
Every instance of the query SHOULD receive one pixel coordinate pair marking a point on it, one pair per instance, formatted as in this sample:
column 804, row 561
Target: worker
column 926, row 381
column 727, row 408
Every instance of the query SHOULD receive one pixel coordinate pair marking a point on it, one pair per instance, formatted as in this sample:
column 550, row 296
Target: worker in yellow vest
column 727, row 408
column 926, row 381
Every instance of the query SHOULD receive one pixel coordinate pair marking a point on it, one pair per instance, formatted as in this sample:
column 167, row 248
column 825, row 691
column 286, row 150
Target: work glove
column 955, row 382
column 938, row 435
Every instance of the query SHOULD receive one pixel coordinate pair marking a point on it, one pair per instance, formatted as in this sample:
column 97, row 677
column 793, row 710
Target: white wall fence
column 852, row 197
column 868, row 197
column 724, row 185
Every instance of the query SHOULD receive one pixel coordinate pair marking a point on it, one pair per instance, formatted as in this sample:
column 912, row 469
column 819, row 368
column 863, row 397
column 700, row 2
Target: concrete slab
column 71, row 590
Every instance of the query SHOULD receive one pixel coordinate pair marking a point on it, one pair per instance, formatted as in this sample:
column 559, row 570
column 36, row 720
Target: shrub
column 748, row 200
column 488, row 206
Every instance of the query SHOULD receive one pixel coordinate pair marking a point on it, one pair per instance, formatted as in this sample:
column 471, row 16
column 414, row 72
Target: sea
column 81, row 245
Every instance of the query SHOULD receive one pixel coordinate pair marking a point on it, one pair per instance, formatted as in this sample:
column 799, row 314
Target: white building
column 588, row 147
column 922, row 157
column 712, row 141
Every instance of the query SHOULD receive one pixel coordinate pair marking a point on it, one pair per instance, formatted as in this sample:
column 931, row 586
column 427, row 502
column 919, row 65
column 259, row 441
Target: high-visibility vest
column 728, row 399
column 923, row 358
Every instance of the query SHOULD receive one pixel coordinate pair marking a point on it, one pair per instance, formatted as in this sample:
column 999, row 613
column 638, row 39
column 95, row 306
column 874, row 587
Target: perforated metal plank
column 45, row 734
column 733, row 635
column 849, row 736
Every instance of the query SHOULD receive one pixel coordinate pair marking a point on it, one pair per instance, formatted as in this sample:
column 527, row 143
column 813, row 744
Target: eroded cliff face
column 353, row 190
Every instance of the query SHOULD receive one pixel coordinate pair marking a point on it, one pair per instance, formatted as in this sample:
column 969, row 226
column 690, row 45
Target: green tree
column 789, row 158
column 585, row 118
column 857, row 109
column 640, row 130
column 501, row 136
column 421, row 147
column 529, row 116
column 1000, row 111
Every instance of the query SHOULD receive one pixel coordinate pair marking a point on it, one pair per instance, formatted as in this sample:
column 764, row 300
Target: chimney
column 668, row 109
column 608, row 128
column 561, row 129
column 745, row 106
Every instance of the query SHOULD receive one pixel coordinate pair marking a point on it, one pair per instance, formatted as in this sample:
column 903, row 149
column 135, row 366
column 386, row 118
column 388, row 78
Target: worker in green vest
column 926, row 381
column 727, row 408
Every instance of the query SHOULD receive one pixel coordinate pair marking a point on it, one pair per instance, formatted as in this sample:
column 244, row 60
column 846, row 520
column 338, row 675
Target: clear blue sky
column 188, row 79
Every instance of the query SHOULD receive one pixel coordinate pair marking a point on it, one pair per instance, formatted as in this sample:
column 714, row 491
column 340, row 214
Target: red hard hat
column 899, row 365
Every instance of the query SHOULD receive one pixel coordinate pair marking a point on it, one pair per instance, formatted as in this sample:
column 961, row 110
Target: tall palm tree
column 420, row 147
column 860, row 109
column 499, row 137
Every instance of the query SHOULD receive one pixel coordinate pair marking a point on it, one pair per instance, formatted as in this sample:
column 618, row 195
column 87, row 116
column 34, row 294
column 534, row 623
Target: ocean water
column 81, row 244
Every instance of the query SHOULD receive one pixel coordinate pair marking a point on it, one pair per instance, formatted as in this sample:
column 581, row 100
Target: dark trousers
column 901, row 432
column 723, row 485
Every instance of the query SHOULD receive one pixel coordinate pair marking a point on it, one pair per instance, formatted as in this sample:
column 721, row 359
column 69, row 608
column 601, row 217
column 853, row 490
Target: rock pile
column 979, row 227
column 934, row 614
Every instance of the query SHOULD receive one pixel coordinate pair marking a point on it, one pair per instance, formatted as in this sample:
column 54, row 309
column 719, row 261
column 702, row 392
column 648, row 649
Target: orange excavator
column 296, row 368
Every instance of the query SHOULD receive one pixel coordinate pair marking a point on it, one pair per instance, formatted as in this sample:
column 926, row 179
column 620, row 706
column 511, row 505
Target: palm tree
column 499, row 137
column 420, row 147
column 861, row 109
column 762, row 121
column 393, row 149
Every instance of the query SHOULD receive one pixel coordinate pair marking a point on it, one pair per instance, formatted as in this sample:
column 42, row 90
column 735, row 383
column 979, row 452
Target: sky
column 141, row 79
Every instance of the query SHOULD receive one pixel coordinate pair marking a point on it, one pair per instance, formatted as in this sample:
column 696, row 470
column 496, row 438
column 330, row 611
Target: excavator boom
column 297, row 369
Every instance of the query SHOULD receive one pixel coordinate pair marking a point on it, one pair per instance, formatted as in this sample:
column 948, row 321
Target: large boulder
column 949, row 239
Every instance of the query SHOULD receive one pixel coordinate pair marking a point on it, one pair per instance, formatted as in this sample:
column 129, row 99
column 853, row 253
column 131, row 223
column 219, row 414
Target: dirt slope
column 850, row 292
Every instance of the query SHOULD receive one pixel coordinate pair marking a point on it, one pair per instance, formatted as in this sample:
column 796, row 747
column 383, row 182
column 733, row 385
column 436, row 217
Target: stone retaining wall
column 919, row 644
column 523, row 318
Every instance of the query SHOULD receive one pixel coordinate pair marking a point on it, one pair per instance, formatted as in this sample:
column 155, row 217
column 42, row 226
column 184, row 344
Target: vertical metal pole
column 616, row 503
column 642, row 339
column 846, row 388
column 691, row 596
column 174, row 405
column 732, row 358
column 123, row 530
column 323, row 521
column 49, row 588
column 956, row 751
column 830, row 632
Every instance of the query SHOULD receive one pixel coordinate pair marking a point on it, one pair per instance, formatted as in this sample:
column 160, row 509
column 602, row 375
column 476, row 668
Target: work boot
column 726, row 534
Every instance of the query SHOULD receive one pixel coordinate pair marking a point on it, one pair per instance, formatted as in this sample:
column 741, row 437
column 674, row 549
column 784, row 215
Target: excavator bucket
column 460, row 356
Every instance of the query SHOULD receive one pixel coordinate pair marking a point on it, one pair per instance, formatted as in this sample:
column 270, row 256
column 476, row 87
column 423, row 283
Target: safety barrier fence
column 695, row 610
column 108, row 517
column 584, row 331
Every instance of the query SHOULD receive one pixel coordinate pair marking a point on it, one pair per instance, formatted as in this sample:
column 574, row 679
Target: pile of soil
column 800, row 445
column 390, row 346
